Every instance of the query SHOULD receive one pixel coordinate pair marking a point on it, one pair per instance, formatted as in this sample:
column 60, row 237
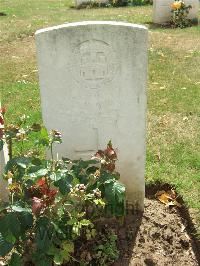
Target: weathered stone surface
column 3, row 183
column 93, row 89
column 162, row 10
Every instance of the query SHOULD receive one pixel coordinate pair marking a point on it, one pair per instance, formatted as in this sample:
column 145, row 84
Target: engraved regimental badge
column 95, row 63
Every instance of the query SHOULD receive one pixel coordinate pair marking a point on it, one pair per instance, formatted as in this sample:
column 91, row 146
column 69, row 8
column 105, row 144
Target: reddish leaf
column 41, row 182
column 1, row 120
column 110, row 153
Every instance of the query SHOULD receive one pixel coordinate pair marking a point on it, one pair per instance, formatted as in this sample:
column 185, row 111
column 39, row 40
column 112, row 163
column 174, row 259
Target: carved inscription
column 95, row 63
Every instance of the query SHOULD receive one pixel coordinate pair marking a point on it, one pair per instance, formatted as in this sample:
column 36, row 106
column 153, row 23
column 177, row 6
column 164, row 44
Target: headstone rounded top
column 93, row 78
column 93, row 23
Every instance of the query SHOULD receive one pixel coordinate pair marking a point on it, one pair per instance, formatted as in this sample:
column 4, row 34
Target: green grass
column 173, row 144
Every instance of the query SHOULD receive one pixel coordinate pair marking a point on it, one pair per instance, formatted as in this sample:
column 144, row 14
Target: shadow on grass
column 153, row 26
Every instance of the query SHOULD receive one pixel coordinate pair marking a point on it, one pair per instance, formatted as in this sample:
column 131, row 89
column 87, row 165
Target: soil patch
column 160, row 236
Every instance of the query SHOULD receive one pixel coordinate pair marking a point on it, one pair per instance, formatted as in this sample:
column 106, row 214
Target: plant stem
column 51, row 147
column 22, row 146
column 10, row 148
column 12, row 198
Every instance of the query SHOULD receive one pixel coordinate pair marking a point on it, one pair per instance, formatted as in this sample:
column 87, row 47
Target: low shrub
column 114, row 3
column 56, row 208
column 141, row 2
column 180, row 13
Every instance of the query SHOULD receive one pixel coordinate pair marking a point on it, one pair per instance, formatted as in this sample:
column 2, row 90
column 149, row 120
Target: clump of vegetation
column 56, row 207
column 180, row 13
column 141, row 2
column 92, row 4
column 114, row 3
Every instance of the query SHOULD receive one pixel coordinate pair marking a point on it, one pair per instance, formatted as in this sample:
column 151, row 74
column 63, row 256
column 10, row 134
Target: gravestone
column 3, row 183
column 162, row 10
column 93, row 88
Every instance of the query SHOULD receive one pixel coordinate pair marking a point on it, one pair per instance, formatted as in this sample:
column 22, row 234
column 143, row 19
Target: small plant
column 114, row 3
column 92, row 4
column 54, row 205
column 141, row 2
column 107, row 251
column 180, row 12
column 118, row 3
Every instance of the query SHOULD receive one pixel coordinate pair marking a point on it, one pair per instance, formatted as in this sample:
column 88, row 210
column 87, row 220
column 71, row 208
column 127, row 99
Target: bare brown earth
column 162, row 236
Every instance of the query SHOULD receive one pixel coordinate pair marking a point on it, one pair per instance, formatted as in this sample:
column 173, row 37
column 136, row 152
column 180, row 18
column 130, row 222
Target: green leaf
column 72, row 221
column 3, row 225
column 64, row 184
column 44, row 137
column 44, row 133
column 85, row 222
column 20, row 209
column 58, row 259
column 10, row 164
column 15, row 260
column 10, row 223
column 119, row 190
column 36, row 161
column 52, row 251
column 26, row 220
column 14, row 224
column 5, row 247
column 114, row 192
column 115, row 197
column 64, row 254
column 91, row 170
column 40, row 259
column 109, row 192
column 44, row 234
column 42, row 172
column 99, row 202
column 37, row 171
column 23, row 162
column 55, row 176
column 106, row 177
column 84, row 164
column 9, row 237
column 68, row 246
column 61, row 255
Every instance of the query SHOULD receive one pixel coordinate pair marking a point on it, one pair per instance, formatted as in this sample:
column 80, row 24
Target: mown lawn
column 173, row 150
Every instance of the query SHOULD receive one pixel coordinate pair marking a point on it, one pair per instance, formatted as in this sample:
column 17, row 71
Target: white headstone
column 93, row 88
column 3, row 183
column 162, row 10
